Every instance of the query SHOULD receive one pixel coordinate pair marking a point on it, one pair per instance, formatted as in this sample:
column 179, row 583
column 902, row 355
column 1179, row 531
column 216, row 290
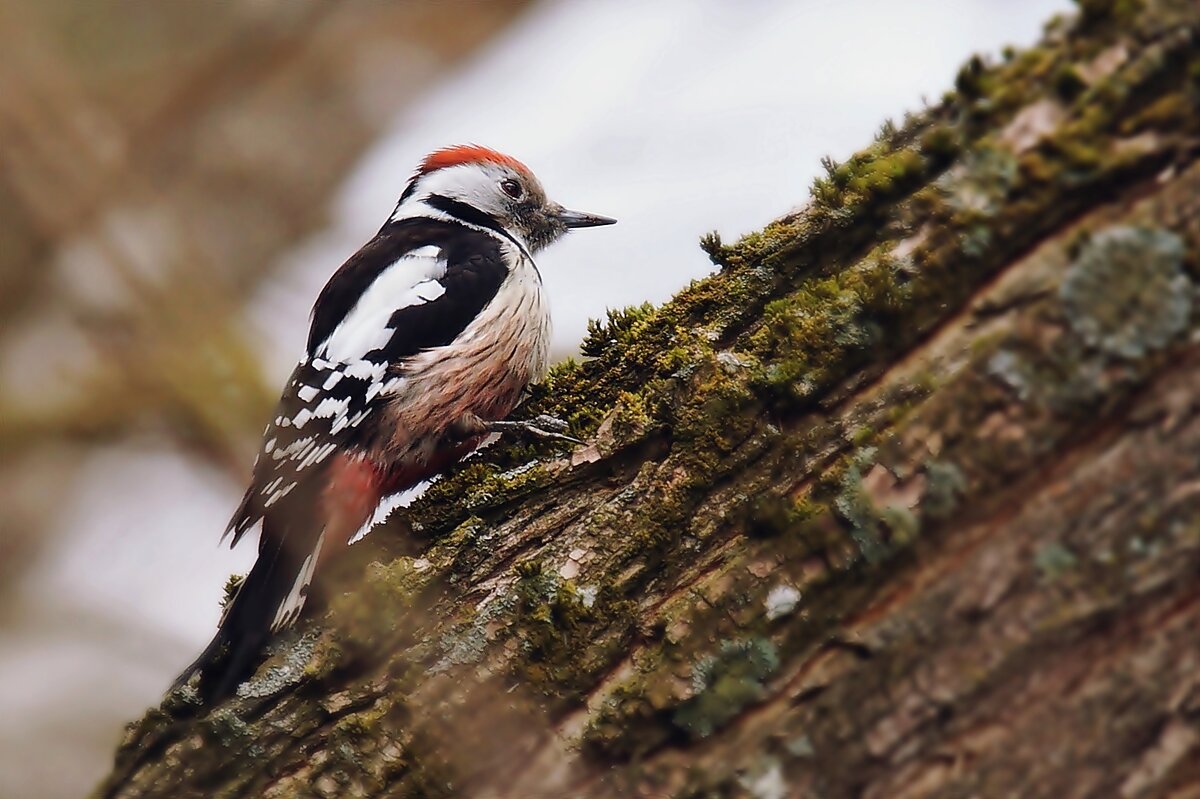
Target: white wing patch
column 411, row 280
column 426, row 291
column 308, row 434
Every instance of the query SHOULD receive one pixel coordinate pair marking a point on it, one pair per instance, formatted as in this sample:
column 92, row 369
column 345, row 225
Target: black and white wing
column 415, row 286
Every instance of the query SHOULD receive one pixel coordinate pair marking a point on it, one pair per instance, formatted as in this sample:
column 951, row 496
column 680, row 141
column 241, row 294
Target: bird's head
column 485, row 188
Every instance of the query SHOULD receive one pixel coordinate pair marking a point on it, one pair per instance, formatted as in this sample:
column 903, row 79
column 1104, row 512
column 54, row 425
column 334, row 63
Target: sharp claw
column 558, row 436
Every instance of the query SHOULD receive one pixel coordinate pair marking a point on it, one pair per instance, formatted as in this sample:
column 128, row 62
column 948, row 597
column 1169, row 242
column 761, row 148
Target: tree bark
column 904, row 501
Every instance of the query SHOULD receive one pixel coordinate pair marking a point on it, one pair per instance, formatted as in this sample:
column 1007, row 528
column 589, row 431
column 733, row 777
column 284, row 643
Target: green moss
column 886, row 176
column 1068, row 83
column 630, row 723
column 761, row 244
column 232, row 584
column 971, row 81
column 559, row 630
column 876, row 174
column 1165, row 113
column 631, row 420
column 712, row 418
column 621, row 327
column 770, row 515
column 473, row 488
column 570, row 393
column 369, row 616
column 815, row 336
column 1103, row 11
column 941, row 144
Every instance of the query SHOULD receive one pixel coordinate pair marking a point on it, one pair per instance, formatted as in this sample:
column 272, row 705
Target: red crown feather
column 467, row 154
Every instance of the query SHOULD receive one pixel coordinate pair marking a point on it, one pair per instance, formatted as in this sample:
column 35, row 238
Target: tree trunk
column 904, row 501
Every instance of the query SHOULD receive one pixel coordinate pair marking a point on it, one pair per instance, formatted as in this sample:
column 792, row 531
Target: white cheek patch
column 476, row 184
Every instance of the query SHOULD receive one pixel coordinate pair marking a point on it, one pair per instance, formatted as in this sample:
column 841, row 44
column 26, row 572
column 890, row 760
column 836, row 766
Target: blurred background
column 179, row 179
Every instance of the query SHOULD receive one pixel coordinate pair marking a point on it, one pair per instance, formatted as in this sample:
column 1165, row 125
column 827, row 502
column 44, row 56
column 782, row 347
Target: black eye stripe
column 511, row 187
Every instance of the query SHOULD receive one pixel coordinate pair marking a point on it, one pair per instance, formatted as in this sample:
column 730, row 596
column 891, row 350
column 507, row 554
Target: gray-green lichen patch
column 1126, row 294
column 855, row 507
column 227, row 729
column 1053, row 560
column 287, row 668
column 945, row 487
column 726, row 683
column 876, row 527
column 462, row 646
column 980, row 183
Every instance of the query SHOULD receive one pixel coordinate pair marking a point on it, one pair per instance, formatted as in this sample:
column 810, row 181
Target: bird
column 420, row 346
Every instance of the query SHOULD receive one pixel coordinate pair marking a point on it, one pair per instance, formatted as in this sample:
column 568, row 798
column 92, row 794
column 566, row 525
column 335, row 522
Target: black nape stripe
column 466, row 213
column 473, row 216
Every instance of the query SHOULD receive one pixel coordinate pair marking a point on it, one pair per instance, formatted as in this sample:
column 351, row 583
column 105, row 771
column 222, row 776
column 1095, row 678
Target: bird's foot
column 541, row 426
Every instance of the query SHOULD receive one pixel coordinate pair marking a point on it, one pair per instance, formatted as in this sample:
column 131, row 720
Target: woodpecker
column 420, row 345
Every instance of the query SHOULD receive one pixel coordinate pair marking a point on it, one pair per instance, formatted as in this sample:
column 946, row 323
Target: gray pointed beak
column 574, row 219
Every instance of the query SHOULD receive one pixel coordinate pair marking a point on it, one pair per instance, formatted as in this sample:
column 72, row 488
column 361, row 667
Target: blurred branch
column 178, row 341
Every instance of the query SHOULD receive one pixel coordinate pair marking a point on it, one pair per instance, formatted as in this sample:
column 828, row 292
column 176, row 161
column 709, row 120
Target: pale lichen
column 726, row 683
column 287, row 667
column 1126, row 294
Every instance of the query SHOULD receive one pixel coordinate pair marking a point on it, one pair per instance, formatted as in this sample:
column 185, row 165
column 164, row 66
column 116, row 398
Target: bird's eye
column 511, row 187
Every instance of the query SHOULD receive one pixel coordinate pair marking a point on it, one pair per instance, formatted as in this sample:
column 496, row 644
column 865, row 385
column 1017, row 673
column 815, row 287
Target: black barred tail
column 268, row 599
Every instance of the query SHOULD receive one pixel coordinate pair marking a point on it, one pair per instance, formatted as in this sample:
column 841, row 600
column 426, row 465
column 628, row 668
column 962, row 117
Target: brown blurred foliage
column 155, row 158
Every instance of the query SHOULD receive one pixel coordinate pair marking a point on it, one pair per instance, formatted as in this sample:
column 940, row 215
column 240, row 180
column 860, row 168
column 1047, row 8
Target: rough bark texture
column 904, row 501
